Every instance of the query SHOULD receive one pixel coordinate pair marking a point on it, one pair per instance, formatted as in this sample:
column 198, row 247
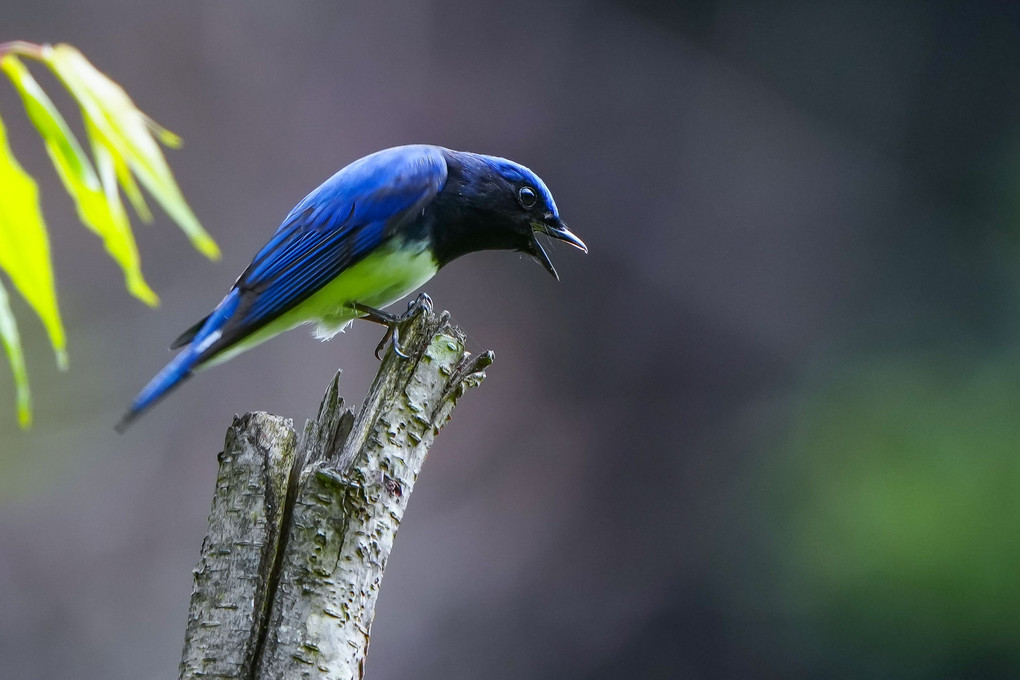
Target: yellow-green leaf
column 131, row 190
column 97, row 209
column 128, row 134
column 25, row 247
column 122, row 247
column 168, row 138
column 16, row 358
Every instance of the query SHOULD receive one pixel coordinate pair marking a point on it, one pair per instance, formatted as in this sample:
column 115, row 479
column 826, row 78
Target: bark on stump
column 301, row 526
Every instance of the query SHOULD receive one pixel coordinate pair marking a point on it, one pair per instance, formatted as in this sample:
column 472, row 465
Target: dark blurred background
column 766, row 429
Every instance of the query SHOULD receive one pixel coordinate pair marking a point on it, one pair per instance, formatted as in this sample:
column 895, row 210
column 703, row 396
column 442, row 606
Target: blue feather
column 331, row 229
column 181, row 366
column 339, row 223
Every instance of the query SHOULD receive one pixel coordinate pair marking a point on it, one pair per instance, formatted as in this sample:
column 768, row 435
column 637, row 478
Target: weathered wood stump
column 301, row 526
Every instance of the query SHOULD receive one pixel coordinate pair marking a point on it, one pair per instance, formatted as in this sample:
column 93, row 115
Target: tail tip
column 125, row 421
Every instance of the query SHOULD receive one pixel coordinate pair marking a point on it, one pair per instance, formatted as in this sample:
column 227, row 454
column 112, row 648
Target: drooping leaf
column 168, row 138
column 98, row 208
column 16, row 358
column 25, row 247
column 131, row 190
column 127, row 133
column 122, row 246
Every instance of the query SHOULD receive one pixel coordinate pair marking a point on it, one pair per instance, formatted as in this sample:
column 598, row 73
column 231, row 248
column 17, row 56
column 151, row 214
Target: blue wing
column 337, row 225
column 331, row 229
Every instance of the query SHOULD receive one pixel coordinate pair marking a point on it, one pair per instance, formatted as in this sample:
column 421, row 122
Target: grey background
column 776, row 196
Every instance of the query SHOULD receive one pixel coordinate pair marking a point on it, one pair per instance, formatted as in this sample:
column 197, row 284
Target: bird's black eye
column 527, row 197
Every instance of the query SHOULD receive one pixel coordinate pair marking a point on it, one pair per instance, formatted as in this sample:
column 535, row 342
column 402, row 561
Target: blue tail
column 182, row 366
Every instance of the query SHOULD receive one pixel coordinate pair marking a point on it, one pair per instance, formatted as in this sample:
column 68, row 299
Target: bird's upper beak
column 553, row 227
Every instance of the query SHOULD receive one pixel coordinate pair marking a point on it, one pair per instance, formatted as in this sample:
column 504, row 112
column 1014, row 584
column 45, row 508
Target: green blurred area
column 896, row 514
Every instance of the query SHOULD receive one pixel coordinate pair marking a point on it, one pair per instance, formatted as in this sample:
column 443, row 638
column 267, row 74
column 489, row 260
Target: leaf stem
column 22, row 48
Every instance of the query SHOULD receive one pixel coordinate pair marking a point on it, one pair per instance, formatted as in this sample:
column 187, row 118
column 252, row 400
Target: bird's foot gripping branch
column 420, row 305
column 302, row 524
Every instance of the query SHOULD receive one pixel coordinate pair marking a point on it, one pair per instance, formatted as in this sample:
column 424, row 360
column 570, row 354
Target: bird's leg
column 391, row 321
column 419, row 305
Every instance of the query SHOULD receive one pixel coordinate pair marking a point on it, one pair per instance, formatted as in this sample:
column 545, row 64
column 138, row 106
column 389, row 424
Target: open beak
column 554, row 228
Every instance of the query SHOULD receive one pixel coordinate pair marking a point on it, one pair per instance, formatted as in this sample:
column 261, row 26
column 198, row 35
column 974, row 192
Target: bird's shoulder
column 380, row 184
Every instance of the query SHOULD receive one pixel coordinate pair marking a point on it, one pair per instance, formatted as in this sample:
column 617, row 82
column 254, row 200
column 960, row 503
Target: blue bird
column 367, row 237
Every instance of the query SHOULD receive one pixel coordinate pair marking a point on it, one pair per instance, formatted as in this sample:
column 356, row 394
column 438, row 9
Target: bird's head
column 502, row 205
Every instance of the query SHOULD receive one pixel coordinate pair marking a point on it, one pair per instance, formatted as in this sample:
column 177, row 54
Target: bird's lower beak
column 554, row 228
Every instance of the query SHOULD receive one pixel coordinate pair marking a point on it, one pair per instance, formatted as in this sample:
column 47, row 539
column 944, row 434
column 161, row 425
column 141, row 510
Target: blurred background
column 766, row 429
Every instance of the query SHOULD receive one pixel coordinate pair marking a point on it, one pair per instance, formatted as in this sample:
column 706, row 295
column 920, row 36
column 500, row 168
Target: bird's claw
column 392, row 337
column 420, row 305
